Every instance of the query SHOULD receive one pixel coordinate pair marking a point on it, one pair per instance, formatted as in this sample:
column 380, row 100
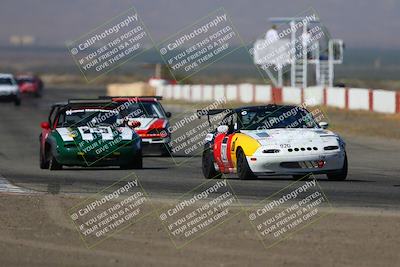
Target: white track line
column 7, row 187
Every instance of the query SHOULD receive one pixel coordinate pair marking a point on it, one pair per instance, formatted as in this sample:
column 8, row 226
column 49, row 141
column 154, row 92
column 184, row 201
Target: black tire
column 165, row 151
column 17, row 102
column 243, row 169
column 342, row 175
column 137, row 162
column 43, row 162
column 53, row 163
column 207, row 165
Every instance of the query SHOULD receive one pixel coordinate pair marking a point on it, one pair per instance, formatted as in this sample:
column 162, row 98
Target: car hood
column 299, row 136
column 87, row 133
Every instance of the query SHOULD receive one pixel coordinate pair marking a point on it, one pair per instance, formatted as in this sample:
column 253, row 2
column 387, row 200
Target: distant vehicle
column 272, row 140
column 9, row 91
column 154, row 124
column 30, row 84
column 89, row 133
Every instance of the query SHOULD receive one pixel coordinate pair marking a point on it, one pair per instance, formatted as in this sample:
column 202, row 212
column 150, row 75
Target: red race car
column 153, row 129
column 30, row 84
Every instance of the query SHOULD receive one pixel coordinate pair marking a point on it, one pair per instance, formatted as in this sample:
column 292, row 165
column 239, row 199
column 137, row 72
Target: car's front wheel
column 207, row 165
column 243, row 169
column 53, row 163
column 43, row 162
column 342, row 174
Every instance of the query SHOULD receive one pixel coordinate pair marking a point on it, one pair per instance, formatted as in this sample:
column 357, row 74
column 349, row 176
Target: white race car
column 272, row 140
column 9, row 90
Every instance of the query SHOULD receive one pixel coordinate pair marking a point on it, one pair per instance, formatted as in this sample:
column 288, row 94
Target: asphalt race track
column 373, row 179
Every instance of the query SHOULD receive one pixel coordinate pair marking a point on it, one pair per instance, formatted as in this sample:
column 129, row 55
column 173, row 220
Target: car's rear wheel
column 53, row 163
column 136, row 163
column 207, row 165
column 342, row 175
column 165, row 151
column 44, row 163
column 243, row 169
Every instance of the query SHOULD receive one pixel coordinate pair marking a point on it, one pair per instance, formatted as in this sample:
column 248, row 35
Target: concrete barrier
column 384, row 101
column 177, row 92
column 232, row 92
column 291, row 95
column 186, row 92
column 208, row 92
column 263, row 93
column 349, row 98
column 219, row 91
column 313, row 96
column 246, row 93
column 358, row 99
column 130, row 89
column 196, row 91
column 336, row 97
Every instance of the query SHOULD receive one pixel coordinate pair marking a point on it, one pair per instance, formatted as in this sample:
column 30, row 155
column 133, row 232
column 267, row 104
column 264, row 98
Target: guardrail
column 374, row 100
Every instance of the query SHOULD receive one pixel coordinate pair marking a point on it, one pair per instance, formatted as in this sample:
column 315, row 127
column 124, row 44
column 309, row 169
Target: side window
column 61, row 120
column 52, row 116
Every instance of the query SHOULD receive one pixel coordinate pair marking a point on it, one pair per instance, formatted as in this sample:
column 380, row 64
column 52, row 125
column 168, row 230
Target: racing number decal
column 224, row 146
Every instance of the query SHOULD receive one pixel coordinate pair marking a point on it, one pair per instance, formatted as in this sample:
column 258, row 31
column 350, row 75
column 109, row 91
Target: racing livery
column 153, row 120
column 89, row 133
column 272, row 140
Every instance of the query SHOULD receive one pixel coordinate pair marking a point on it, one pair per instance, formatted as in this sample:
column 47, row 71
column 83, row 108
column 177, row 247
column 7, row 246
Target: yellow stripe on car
column 247, row 143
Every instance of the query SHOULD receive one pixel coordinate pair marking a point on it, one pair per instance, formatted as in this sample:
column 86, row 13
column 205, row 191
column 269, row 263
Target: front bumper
column 274, row 164
column 73, row 156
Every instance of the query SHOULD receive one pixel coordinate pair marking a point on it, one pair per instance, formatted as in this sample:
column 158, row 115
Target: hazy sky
column 361, row 23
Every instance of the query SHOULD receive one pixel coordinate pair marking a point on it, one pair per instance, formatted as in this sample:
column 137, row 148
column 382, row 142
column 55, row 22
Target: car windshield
column 6, row 81
column 88, row 117
column 282, row 118
column 143, row 110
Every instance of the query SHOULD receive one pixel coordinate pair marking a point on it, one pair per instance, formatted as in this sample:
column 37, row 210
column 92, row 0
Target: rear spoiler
column 112, row 97
column 210, row 112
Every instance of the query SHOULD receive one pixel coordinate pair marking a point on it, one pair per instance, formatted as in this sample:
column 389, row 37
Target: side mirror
column 323, row 124
column 45, row 125
column 168, row 114
column 222, row 128
column 134, row 124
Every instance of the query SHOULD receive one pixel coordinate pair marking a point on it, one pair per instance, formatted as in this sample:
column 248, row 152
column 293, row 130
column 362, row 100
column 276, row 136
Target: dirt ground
column 35, row 231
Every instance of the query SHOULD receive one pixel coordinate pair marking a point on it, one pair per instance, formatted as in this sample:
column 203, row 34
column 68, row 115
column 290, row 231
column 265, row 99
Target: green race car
column 89, row 133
